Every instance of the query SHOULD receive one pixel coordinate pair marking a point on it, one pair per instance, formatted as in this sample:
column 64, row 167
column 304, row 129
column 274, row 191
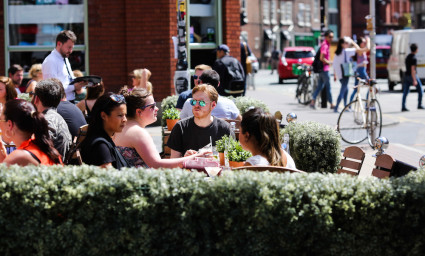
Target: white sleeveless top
column 259, row 160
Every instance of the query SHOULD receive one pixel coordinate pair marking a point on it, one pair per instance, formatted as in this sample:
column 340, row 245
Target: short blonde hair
column 208, row 89
column 35, row 68
column 202, row 67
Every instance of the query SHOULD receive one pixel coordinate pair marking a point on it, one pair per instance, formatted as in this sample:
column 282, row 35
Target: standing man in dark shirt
column 411, row 78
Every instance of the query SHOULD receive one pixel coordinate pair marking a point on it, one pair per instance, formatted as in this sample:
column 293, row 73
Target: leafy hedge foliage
column 171, row 113
column 244, row 103
column 91, row 211
column 314, row 147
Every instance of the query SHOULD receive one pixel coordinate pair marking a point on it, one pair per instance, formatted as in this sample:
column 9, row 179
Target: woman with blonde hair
column 141, row 79
column 7, row 90
column 134, row 142
column 36, row 76
column 260, row 135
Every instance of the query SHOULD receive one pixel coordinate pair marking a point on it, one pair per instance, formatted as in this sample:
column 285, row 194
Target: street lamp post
column 372, row 40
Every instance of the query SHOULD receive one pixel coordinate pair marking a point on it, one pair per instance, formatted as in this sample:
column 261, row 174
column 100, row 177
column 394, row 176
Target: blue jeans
column 343, row 93
column 407, row 82
column 324, row 81
column 361, row 72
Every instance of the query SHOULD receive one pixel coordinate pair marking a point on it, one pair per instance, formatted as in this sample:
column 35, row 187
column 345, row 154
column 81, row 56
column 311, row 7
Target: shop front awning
column 268, row 34
column 284, row 34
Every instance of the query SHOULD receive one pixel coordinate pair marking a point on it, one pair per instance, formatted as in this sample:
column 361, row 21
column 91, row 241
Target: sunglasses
column 117, row 98
column 195, row 77
column 152, row 106
column 201, row 103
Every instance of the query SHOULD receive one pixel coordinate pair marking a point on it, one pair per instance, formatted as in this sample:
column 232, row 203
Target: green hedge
column 315, row 147
column 91, row 211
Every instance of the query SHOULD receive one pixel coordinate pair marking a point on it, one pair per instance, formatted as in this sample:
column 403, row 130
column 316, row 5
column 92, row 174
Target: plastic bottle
column 233, row 128
column 285, row 144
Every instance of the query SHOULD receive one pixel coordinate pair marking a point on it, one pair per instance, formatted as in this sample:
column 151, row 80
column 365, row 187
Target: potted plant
column 220, row 146
column 172, row 116
column 237, row 155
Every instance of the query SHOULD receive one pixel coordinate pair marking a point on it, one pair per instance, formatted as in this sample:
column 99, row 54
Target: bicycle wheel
column 304, row 91
column 374, row 126
column 351, row 125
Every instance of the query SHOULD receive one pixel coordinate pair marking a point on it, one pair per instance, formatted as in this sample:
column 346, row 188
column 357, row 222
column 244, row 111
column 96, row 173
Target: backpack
column 235, row 76
column 317, row 63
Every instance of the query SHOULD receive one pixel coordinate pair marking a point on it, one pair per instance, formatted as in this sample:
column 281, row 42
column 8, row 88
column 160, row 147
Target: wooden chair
column 383, row 165
column 279, row 169
column 352, row 161
column 74, row 156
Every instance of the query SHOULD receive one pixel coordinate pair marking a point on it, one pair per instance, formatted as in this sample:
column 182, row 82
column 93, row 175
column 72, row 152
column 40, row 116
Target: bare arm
column 413, row 72
column 322, row 58
column 20, row 157
column 106, row 165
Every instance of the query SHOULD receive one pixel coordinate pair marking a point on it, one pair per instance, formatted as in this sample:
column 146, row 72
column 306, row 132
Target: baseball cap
column 223, row 47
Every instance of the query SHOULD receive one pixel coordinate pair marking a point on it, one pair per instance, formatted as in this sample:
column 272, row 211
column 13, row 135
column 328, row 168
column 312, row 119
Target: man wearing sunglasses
column 191, row 134
column 188, row 94
column 225, row 108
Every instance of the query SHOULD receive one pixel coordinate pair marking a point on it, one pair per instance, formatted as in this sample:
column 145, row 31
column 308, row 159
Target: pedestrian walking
column 342, row 67
column 361, row 61
column 324, row 79
column 411, row 78
column 275, row 59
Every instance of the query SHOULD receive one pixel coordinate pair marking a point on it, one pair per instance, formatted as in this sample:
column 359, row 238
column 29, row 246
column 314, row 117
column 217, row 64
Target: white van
column 400, row 48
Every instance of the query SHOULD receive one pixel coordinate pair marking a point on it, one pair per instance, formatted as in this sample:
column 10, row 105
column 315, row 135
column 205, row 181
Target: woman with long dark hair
column 28, row 129
column 260, row 135
column 108, row 117
column 343, row 54
column 134, row 142
column 93, row 93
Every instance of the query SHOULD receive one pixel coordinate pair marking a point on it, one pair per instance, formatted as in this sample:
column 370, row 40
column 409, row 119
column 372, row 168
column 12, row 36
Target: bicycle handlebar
column 371, row 82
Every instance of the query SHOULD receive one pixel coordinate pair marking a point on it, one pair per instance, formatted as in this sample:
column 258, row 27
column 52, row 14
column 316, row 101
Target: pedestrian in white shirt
column 56, row 64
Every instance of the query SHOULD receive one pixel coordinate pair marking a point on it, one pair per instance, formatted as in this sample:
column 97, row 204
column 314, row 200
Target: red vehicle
column 294, row 55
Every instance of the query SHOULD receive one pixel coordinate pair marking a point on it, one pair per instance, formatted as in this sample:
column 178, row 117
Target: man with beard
column 193, row 133
column 16, row 73
column 56, row 64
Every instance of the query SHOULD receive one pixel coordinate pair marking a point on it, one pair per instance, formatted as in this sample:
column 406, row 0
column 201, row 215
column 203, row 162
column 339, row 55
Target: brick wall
column 2, row 68
column 231, row 26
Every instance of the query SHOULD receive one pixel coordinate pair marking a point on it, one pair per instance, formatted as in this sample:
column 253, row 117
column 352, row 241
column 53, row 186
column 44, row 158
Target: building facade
column 116, row 37
column 280, row 23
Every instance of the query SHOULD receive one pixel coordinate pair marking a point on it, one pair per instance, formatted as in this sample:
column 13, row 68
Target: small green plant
column 237, row 153
column 244, row 103
column 25, row 96
column 169, row 102
column 171, row 113
column 221, row 143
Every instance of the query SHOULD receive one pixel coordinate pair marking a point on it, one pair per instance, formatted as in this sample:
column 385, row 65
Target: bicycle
column 361, row 115
column 306, row 83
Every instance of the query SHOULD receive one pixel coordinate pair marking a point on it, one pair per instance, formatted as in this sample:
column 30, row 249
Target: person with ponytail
column 134, row 142
column 141, row 79
column 108, row 118
column 28, row 129
column 260, row 136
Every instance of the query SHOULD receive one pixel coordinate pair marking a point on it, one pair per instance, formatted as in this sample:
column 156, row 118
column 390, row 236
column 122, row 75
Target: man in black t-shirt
column 411, row 78
column 193, row 133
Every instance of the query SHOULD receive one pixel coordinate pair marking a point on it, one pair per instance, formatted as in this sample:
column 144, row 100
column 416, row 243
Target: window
column 300, row 15
column 298, row 54
column 285, row 13
column 32, row 27
column 316, row 11
column 266, row 12
column 273, row 12
column 307, row 15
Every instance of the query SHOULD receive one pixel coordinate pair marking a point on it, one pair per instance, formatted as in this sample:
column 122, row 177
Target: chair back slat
column 347, row 172
column 354, row 153
column 383, row 165
column 257, row 168
column 380, row 173
column 352, row 161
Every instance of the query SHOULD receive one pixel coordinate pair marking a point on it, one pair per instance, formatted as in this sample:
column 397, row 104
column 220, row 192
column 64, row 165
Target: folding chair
column 352, row 161
column 73, row 156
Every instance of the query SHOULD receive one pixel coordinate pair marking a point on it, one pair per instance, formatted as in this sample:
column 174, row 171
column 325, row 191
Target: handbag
column 248, row 60
column 347, row 67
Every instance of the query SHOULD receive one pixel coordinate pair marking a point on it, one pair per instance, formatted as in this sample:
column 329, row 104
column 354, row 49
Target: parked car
column 382, row 56
column 400, row 48
column 294, row 55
